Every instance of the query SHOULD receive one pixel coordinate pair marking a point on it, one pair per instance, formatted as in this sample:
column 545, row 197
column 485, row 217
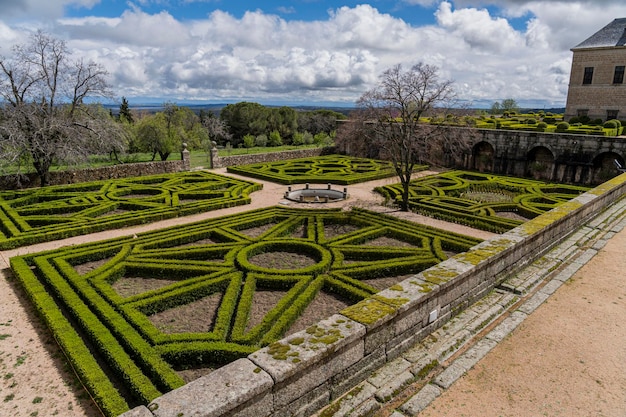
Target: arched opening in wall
column 540, row 163
column 482, row 156
column 605, row 166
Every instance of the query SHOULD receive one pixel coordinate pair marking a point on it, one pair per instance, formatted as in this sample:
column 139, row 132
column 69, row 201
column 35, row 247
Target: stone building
column 597, row 86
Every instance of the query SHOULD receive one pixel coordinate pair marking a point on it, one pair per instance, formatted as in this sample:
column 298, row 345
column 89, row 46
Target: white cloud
column 478, row 28
column 263, row 57
column 33, row 9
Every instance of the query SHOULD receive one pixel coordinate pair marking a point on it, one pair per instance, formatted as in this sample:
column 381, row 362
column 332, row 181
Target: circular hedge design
column 322, row 256
column 44, row 214
column 333, row 169
column 490, row 202
column 205, row 267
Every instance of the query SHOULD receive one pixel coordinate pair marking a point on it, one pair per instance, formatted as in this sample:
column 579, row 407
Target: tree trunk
column 42, row 166
column 404, row 203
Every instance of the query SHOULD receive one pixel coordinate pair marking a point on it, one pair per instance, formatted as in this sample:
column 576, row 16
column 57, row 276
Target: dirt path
column 568, row 358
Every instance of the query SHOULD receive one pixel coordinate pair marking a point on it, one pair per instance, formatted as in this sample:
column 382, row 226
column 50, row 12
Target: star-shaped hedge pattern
column 133, row 314
column 55, row 212
column 485, row 201
column 332, row 169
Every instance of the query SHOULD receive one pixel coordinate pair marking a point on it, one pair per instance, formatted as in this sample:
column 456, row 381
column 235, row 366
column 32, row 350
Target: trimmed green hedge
column 329, row 169
column 125, row 356
column 57, row 212
column 482, row 200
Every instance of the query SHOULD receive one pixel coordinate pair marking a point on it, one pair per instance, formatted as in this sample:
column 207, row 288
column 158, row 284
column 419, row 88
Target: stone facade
column 602, row 94
column 564, row 158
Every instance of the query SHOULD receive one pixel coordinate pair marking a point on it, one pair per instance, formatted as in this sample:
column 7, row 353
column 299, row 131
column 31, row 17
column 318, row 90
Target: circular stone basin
column 318, row 262
column 316, row 195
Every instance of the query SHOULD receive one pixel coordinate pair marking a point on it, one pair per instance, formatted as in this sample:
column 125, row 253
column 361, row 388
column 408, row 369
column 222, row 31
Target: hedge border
column 345, row 170
column 144, row 359
column 41, row 214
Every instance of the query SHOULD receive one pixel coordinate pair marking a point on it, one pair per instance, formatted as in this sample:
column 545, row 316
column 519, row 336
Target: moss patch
column 368, row 311
column 477, row 255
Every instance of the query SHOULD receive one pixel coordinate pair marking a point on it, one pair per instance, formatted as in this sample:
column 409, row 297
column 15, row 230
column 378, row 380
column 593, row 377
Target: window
column 588, row 76
column 611, row 114
column 618, row 77
column 582, row 112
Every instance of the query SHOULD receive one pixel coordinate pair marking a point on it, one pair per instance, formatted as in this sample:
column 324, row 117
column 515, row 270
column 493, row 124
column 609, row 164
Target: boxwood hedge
column 485, row 201
column 125, row 356
column 57, row 212
column 332, row 169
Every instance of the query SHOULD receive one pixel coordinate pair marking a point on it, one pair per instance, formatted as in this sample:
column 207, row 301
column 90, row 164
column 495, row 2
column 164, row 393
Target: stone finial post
column 186, row 158
column 213, row 162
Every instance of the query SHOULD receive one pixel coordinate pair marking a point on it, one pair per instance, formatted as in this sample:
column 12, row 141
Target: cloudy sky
column 316, row 51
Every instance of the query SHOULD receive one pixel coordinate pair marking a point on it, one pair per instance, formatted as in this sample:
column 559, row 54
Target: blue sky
column 316, row 51
column 306, row 10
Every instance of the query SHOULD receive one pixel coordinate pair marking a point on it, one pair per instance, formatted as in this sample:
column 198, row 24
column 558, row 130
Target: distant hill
column 216, row 108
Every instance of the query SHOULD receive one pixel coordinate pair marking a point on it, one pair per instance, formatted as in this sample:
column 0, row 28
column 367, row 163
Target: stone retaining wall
column 226, row 161
column 101, row 173
column 305, row 371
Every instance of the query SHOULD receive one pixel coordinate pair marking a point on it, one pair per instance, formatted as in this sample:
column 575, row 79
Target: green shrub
column 261, row 141
column 612, row 124
column 275, row 139
column 248, row 141
column 562, row 126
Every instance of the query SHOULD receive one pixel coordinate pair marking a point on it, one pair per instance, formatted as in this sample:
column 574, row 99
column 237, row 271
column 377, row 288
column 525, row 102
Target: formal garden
column 484, row 201
column 43, row 214
column 534, row 122
column 138, row 317
column 141, row 315
column 333, row 169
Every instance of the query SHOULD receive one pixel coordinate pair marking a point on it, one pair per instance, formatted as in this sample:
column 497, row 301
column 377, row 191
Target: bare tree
column 44, row 118
column 391, row 120
column 218, row 131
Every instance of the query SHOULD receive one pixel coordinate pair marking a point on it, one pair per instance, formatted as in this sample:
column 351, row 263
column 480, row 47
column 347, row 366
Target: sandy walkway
column 567, row 359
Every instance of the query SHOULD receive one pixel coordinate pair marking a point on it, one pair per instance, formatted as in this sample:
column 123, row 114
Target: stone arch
column 604, row 167
column 540, row 163
column 482, row 156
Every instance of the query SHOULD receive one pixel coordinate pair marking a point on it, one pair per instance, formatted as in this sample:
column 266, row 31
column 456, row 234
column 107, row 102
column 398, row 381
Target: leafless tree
column 218, row 131
column 43, row 115
column 390, row 121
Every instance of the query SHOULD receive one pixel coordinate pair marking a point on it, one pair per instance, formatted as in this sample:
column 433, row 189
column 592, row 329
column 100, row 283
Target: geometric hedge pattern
column 335, row 169
column 484, row 201
column 101, row 299
column 55, row 212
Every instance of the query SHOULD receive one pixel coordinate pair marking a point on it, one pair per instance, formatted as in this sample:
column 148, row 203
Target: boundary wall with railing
column 307, row 370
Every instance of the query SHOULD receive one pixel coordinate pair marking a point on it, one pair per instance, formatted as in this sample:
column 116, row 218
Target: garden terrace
column 333, row 169
column 140, row 316
column 56, row 212
column 483, row 201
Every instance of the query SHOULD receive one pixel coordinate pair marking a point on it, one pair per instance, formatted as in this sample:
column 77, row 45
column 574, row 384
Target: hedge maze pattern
column 56, row 212
column 334, row 169
column 484, row 201
column 132, row 313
